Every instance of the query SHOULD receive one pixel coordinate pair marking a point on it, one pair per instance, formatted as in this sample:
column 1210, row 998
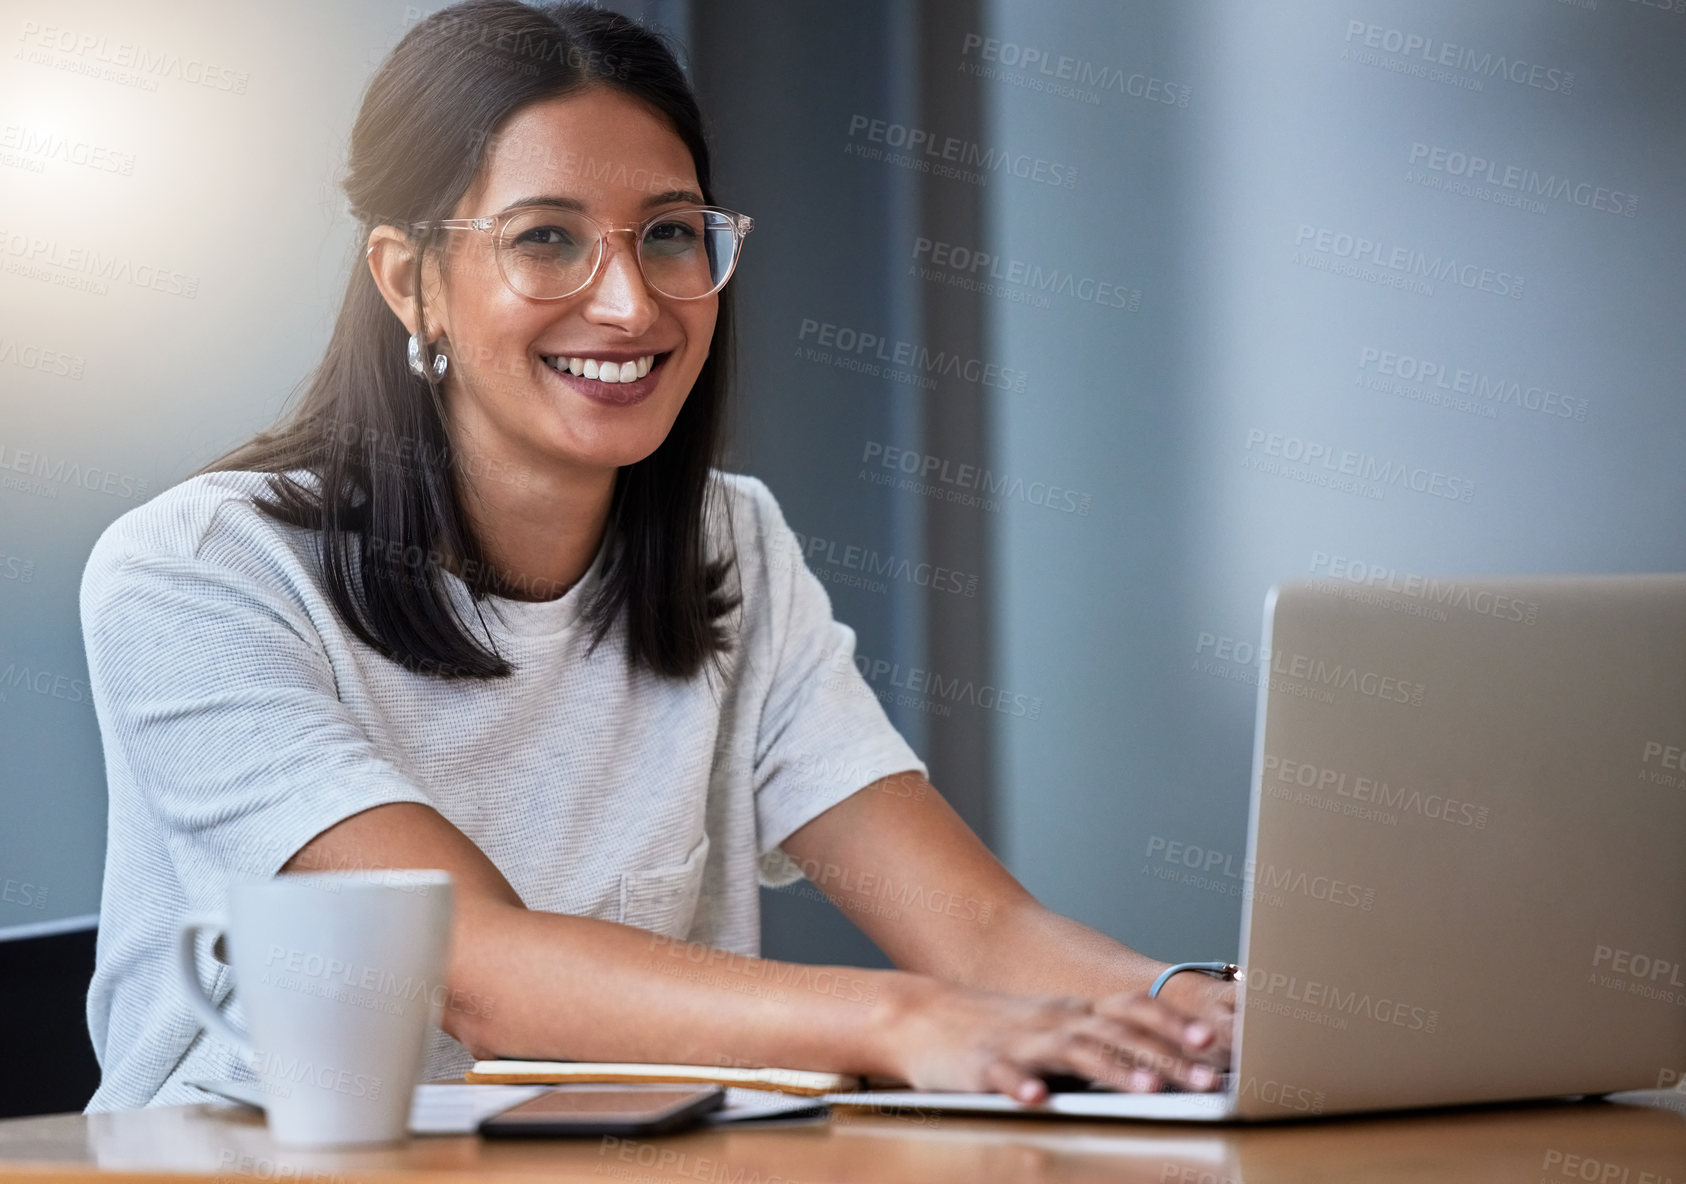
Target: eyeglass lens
column 548, row 253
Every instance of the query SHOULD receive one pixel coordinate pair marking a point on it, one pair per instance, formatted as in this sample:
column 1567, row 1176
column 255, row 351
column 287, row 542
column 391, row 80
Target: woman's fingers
column 977, row 1040
column 1139, row 1053
column 1017, row 1082
column 1115, row 1065
column 1123, row 1053
column 1191, row 1035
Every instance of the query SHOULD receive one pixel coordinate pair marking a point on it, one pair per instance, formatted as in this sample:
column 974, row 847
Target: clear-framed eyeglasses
column 548, row 253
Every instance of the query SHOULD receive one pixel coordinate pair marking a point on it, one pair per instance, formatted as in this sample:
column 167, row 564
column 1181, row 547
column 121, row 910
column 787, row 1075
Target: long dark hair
column 374, row 435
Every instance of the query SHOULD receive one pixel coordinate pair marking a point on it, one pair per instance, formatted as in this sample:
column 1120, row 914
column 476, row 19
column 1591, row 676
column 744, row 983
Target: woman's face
column 509, row 385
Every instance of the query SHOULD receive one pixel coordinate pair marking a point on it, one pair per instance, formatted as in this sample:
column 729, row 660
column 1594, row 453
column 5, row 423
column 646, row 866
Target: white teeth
column 610, row 372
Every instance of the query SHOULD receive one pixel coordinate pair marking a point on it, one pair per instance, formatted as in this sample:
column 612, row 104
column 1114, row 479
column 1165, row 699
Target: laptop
column 1466, row 856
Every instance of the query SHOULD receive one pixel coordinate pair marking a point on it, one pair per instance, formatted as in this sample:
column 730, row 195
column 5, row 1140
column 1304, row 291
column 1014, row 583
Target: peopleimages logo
column 1268, row 879
column 150, row 63
column 85, row 268
column 43, row 682
column 1638, row 973
column 23, row 894
column 1584, row 1167
column 1362, row 467
column 541, row 155
column 931, row 152
column 935, row 475
column 39, row 145
column 931, row 684
column 961, row 266
column 860, row 566
column 1308, row 669
column 1365, row 792
column 880, row 356
column 1300, row 1098
column 1526, row 184
column 44, row 468
column 15, row 567
column 1315, row 999
column 1381, row 367
column 1422, row 56
column 278, row 1073
column 1035, row 68
column 1342, row 570
column 1409, row 263
column 47, row 361
column 1664, row 764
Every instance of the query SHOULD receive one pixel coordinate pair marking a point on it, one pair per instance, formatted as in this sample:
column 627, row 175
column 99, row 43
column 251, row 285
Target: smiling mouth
column 607, row 371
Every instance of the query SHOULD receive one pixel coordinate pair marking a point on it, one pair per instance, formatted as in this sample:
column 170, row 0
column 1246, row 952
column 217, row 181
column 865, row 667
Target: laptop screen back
column 1468, row 845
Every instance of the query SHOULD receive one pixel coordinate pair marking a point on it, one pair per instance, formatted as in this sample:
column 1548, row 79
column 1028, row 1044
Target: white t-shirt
column 241, row 718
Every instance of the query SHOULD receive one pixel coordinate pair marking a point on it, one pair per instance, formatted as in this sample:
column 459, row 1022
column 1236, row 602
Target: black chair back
column 49, row 1058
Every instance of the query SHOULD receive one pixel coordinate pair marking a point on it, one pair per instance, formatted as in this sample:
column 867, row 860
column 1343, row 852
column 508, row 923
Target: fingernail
column 1197, row 1033
column 1027, row 1091
column 1201, row 1077
column 1141, row 1081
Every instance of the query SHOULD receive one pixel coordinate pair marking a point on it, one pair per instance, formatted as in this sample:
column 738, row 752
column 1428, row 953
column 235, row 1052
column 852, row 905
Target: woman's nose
column 619, row 294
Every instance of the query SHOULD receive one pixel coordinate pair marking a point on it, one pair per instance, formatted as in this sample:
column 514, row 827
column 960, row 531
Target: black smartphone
column 646, row 1109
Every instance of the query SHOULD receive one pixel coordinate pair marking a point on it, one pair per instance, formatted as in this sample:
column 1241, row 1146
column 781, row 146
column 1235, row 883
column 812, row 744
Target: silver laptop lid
column 1468, row 844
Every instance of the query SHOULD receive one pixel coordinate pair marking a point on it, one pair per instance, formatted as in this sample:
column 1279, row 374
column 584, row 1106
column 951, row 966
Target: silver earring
column 416, row 367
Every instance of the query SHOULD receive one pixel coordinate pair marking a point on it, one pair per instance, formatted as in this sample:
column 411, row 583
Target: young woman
column 482, row 604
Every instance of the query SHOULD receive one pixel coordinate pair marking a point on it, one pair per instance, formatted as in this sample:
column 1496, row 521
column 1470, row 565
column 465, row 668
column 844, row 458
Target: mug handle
column 187, row 964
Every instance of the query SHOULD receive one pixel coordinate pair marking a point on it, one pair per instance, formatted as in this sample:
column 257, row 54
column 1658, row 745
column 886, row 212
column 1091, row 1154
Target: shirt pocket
column 664, row 899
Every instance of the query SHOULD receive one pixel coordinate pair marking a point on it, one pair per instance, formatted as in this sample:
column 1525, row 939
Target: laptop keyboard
column 1070, row 1083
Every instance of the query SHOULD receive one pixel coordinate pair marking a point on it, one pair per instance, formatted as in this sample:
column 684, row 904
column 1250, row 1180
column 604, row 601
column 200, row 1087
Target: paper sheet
column 447, row 1109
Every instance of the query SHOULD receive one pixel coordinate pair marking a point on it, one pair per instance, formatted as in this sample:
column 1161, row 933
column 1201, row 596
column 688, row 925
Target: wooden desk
column 1605, row 1142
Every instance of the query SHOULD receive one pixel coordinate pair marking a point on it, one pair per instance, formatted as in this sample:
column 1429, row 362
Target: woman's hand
column 1203, row 997
column 946, row 1037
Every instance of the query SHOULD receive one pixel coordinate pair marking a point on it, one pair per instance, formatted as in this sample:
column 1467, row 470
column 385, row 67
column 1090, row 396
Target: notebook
column 788, row 1081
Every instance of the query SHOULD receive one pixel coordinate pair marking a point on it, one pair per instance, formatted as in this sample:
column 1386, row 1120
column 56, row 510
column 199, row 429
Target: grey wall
column 1115, row 623
column 1174, row 282
column 797, row 94
column 173, row 247
column 1262, row 340
column 814, row 260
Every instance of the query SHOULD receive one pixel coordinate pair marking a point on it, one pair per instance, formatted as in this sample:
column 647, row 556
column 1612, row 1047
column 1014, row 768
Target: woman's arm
column 541, row 984
column 550, row 985
column 907, row 869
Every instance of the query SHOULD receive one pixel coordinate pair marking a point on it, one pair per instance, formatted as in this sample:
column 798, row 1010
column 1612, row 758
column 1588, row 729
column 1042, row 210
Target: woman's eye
column 545, row 236
column 671, row 232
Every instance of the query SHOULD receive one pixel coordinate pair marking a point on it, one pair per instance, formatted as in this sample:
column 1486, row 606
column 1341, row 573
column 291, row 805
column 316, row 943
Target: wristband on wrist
column 1228, row 971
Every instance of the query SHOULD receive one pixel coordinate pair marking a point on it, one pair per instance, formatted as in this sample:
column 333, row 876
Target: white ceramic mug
column 340, row 976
